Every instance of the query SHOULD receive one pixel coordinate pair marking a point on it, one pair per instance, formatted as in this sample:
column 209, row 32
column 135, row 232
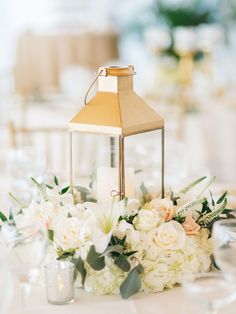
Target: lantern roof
column 116, row 109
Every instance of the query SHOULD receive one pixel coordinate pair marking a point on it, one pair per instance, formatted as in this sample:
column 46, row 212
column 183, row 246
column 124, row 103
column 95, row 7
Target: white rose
column 165, row 207
column 170, row 236
column 122, row 228
column 68, row 233
column 132, row 207
column 147, row 220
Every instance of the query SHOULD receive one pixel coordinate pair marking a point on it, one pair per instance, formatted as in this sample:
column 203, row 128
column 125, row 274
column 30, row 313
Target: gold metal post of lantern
column 116, row 111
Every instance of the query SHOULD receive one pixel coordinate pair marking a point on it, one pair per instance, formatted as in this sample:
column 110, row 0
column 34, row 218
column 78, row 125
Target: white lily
column 104, row 221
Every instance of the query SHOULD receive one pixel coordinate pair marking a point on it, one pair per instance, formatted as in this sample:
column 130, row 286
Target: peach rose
column 190, row 226
column 165, row 207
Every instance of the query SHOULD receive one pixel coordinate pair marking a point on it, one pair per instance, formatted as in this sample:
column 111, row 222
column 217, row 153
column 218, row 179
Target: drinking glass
column 210, row 290
column 26, row 249
column 224, row 246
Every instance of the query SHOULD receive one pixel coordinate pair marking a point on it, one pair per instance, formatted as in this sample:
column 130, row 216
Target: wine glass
column 224, row 246
column 22, row 164
column 211, row 290
column 26, row 249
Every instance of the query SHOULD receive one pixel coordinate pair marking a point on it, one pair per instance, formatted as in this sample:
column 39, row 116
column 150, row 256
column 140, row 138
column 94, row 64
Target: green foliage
column 64, row 190
column 41, row 187
column 65, row 254
column 79, row 266
column 192, row 185
column 122, row 263
column 182, row 210
column 56, row 181
column 95, row 260
column 132, row 283
column 50, row 234
column 192, row 13
column 3, row 218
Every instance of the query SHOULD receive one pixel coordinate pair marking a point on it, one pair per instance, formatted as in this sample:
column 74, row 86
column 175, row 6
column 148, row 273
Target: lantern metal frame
column 82, row 121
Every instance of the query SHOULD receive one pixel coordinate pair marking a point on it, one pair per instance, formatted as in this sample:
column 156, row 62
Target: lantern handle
column 91, row 85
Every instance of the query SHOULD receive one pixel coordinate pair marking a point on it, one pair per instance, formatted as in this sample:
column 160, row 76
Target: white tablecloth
column 167, row 302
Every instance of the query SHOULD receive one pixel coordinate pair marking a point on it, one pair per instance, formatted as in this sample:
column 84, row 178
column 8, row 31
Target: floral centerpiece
column 145, row 244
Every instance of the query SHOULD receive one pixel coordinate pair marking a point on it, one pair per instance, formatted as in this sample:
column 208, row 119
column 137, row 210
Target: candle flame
column 60, row 282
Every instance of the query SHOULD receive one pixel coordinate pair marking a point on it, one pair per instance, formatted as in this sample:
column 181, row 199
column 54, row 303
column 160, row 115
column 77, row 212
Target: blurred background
column 184, row 53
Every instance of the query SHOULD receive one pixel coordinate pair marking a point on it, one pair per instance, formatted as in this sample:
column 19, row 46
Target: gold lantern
column 118, row 112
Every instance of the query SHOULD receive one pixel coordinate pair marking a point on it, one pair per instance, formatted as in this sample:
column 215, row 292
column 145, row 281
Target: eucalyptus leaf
column 113, row 248
column 79, row 266
column 95, row 260
column 122, row 263
column 132, row 283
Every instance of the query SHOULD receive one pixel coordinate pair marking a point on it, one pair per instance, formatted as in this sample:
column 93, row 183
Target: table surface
column 168, row 302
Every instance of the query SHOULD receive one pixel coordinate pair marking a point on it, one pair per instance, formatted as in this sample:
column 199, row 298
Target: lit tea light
column 59, row 277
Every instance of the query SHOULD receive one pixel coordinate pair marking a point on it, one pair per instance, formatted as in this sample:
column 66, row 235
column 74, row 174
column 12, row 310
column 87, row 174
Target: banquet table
column 168, row 302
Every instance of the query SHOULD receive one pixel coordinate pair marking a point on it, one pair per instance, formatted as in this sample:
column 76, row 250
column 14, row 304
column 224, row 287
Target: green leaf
column 174, row 198
column 49, row 186
column 79, row 266
column 182, row 210
column 95, row 260
column 69, row 215
column 113, row 248
column 122, row 241
column 17, row 201
column 132, row 283
column 130, row 253
column 122, row 263
column 11, row 216
column 223, row 196
column 138, row 171
column 191, row 185
column 50, row 234
column 209, row 218
column 63, row 191
column 207, row 186
column 65, row 254
column 212, row 199
column 41, row 188
column 56, row 180
column 3, row 217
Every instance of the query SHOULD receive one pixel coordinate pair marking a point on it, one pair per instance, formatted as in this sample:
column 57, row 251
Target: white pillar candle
column 108, row 181
column 59, row 277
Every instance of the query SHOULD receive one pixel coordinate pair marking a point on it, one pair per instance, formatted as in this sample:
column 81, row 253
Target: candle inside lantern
column 59, row 278
column 108, row 181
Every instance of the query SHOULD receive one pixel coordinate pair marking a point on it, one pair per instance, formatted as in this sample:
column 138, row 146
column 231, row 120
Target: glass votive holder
column 59, row 277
